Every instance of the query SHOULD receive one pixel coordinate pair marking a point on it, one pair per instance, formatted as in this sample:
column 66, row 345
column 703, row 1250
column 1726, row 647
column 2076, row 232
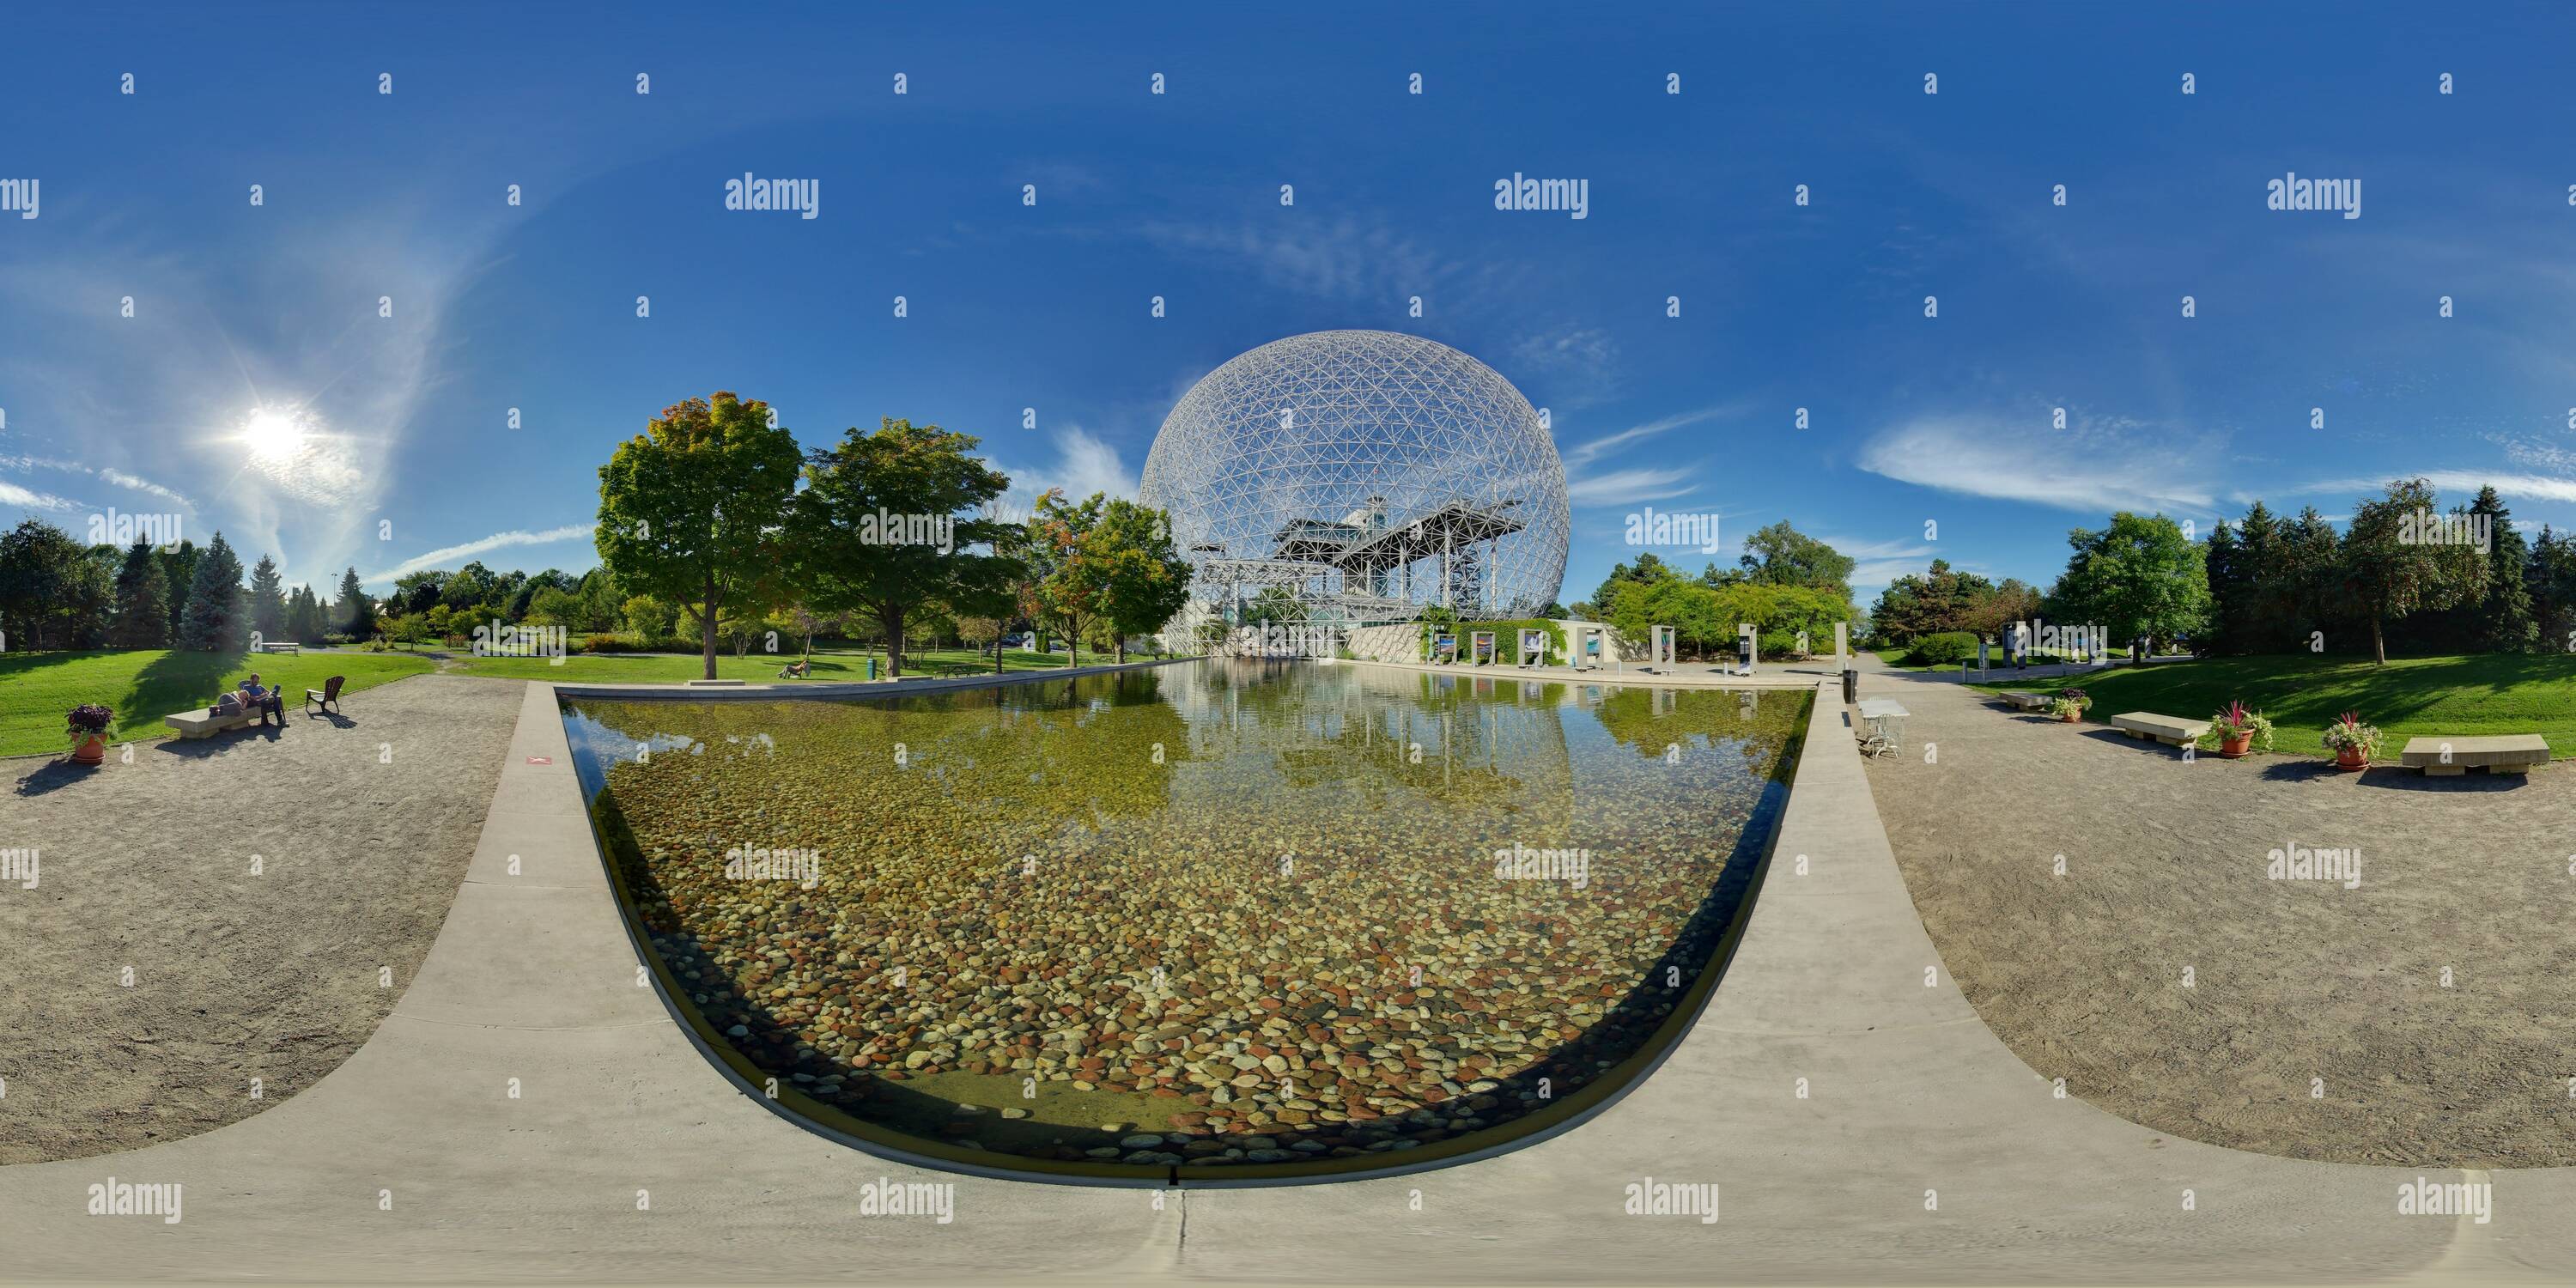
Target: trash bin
column 1851, row 685
column 872, row 668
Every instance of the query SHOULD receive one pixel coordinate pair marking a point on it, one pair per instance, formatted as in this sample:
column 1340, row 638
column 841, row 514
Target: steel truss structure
column 1347, row 478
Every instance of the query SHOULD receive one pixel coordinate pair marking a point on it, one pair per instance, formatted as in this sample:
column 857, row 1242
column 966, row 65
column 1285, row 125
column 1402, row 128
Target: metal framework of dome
column 1350, row 478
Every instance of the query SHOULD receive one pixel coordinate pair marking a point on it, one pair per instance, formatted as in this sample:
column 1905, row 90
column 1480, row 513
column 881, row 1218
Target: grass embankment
column 143, row 685
column 2470, row 695
column 830, row 667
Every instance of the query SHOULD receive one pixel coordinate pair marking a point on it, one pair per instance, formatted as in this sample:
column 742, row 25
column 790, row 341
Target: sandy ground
column 233, row 976
column 2423, row 1017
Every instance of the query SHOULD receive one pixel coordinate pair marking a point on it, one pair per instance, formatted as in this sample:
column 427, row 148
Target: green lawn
column 143, row 685
column 830, row 666
column 2409, row 697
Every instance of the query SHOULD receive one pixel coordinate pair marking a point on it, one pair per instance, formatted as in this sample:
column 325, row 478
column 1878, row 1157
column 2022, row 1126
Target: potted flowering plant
column 2070, row 705
column 2239, row 729
column 2355, row 744
column 87, row 726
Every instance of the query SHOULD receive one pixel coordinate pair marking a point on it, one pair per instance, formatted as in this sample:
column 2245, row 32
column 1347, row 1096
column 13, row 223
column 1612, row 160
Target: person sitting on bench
column 799, row 669
column 266, row 701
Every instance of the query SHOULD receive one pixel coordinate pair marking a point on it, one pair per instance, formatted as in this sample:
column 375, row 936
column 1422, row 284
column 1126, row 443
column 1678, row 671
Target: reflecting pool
column 1218, row 912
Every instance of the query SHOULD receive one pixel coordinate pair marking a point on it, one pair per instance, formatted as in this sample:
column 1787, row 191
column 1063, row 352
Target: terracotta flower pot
column 2350, row 758
column 2231, row 747
column 2072, row 716
column 91, row 751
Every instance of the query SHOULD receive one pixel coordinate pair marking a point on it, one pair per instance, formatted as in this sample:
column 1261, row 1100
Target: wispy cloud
column 1341, row 259
column 1876, row 563
column 2457, row 486
column 1584, row 485
column 1628, row 487
column 12, row 494
column 2094, row 472
column 483, row 545
column 123, row 479
column 1582, row 350
column 1590, row 450
column 1084, row 464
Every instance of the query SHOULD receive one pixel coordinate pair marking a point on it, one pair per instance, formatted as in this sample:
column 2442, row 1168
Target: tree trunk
column 707, row 625
column 2378, row 647
column 1122, row 650
column 1073, row 642
column 890, row 620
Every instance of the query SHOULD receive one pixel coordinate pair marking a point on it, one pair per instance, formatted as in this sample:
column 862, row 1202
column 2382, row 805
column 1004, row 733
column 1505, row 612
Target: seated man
column 266, row 701
column 798, row 669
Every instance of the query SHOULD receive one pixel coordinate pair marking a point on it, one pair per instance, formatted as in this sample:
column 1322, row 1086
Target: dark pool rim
column 1566, row 1114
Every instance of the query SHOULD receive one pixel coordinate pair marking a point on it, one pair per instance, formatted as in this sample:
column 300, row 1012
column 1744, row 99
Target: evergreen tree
column 142, row 600
column 304, row 616
column 2266, row 613
column 354, row 614
column 2504, row 617
column 179, row 572
column 214, row 618
column 267, row 600
column 2309, row 593
column 2550, row 578
column 2230, row 586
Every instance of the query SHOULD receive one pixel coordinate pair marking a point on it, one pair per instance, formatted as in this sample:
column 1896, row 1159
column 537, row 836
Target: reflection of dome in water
column 1358, row 476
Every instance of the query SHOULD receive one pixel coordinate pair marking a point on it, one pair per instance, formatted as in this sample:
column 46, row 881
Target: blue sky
column 408, row 459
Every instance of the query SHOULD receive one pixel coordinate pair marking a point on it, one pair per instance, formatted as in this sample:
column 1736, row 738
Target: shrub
column 1781, row 644
column 2349, row 731
column 1948, row 648
column 602, row 643
column 2234, row 721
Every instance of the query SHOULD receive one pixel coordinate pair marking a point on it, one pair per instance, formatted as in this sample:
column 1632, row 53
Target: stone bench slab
column 2512, row 753
column 2025, row 700
column 2171, row 730
column 197, row 724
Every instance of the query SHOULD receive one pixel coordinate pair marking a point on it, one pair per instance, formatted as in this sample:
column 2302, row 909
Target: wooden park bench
column 2173, row 731
column 2511, row 753
column 2025, row 699
column 283, row 646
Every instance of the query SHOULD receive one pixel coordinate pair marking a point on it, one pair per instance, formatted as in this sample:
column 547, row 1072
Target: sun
column 273, row 437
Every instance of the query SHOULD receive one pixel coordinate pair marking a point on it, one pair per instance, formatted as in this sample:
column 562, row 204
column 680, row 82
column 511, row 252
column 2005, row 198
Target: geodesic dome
column 1360, row 476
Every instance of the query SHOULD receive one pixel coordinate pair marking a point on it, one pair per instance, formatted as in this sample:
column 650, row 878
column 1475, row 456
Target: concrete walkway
column 1921, row 1150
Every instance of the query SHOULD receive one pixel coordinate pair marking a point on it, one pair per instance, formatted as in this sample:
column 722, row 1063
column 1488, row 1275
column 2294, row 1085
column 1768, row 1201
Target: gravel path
column 2422, row 1017
column 235, row 976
